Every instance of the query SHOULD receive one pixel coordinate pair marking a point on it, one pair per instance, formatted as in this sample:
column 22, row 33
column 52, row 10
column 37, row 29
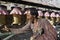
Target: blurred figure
column 35, row 29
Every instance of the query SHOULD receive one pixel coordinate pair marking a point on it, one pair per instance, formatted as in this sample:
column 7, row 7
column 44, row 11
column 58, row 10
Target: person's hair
column 34, row 13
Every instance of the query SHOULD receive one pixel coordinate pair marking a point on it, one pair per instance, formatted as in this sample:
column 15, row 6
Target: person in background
column 36, row 29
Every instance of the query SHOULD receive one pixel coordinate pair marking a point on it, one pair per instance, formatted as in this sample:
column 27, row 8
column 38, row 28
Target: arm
column 25, row 28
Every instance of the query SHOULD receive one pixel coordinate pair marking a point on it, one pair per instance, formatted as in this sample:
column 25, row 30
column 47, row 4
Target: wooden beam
column 32, row 4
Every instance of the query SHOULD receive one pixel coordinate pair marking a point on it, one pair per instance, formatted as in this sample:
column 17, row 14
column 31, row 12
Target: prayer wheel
column 40, row 14
column 52, row 18
column 3, row 13
column 57, row 18
column 47, row 15
column 16, row 13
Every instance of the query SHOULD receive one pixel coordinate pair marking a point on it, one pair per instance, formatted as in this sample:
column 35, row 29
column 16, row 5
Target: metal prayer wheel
column 57, row 18
column 3, row 13
column 16, row 13
column 40, row 14
column 46, row 15
column 2, row 19
column 52, row 17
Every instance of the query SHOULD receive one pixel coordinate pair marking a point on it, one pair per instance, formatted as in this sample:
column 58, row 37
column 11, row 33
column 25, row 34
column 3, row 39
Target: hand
column 5, row 29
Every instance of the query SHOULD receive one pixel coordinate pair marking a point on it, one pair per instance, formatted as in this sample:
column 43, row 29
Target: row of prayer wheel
column 16, row 12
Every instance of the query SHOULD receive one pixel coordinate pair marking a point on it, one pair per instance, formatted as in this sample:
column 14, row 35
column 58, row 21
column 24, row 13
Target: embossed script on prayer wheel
column 16, row 16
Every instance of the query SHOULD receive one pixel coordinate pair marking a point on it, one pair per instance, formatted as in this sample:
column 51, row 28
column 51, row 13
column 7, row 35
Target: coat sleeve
column 25, row 28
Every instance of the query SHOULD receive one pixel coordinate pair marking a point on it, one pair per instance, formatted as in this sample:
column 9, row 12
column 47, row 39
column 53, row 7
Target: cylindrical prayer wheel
column 46, row 15
column 2, row 17
column 16, row 16
column 40, row 14
column 57, row 18
column 3, row 13
column 52, row 18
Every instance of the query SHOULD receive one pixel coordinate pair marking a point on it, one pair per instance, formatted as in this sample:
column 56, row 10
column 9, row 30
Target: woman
column 41, row 28
column 48, row 32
